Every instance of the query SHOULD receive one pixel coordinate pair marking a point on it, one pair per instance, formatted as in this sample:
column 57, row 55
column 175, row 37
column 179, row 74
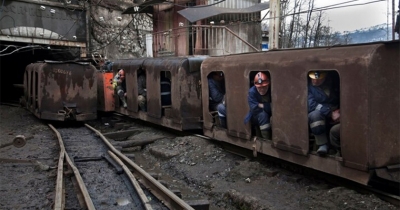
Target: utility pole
column 275, row 13
column 393, row 19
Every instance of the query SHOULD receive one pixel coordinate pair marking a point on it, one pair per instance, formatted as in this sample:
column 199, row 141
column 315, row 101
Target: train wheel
column 19, row 141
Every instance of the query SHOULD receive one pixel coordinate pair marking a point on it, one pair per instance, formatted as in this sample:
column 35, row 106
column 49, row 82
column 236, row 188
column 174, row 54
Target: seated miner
column 165, row 91
column 216, row 85
column 142, row 90
column 323, row 107
column 334, row 137
column 259, row 99
column 120, row 86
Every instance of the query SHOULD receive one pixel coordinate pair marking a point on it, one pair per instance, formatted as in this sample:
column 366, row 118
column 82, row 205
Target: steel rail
column 134, row 182
column 169, row 199
column 393, row 199
column 60, row 197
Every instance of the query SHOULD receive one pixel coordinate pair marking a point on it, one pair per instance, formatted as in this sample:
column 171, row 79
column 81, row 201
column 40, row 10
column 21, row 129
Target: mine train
column 368, row 77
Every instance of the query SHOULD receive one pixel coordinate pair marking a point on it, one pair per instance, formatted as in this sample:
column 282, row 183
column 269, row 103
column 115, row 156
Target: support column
column 275, row 13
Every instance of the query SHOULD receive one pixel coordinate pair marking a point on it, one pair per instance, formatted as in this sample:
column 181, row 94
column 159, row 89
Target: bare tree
column 308, row 20
column 318, row 29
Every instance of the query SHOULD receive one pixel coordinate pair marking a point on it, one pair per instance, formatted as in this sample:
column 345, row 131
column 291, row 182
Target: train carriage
column 61, row 91
column 185, row 111
column 369, row 77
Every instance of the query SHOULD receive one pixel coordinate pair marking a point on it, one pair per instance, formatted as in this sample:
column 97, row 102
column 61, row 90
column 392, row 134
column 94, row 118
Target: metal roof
column 193, row 14
column 145, row 7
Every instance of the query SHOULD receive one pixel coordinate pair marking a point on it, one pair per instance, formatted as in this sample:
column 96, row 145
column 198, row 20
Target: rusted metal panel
column 62, row 89
column 198, row 13
column 105, row 92
column 185, row 112
column 329, row 165
column 153, row 68
column 384, row 103
column 358, row 66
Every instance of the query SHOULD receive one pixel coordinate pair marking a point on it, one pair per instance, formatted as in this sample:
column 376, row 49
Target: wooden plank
column 122, row 134
column 138, row 142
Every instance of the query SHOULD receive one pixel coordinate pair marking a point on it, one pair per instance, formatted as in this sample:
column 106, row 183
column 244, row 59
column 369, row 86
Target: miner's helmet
column 317, row 74
column 261, row 80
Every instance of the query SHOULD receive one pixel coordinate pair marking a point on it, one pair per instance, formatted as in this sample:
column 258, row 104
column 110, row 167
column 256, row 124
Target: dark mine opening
column 14, row 57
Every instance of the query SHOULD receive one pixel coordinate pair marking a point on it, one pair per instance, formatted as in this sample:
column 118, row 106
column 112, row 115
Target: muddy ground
column 200, row 169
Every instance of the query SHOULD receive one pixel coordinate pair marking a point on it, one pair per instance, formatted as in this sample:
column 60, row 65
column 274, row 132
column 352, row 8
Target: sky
column 355, row 17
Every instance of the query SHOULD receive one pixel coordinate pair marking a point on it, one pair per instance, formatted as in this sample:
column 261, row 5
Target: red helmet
column 261, row 80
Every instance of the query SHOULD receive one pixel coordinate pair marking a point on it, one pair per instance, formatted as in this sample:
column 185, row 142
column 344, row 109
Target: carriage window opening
column 323, row 103
column 119, row 84
column 165, row 90
column 259, row 100
column 217, row 106
column 142, row 91
column 25, row 94
column 36, row 86
column 31, row 89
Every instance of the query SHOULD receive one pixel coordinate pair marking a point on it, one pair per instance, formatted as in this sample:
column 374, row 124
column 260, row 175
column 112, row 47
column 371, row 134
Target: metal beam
column 55, row 4
column 53, row 42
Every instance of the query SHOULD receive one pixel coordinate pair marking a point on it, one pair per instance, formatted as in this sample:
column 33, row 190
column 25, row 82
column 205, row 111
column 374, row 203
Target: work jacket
column 216, row 93
column 254, row 98
column 319, row 100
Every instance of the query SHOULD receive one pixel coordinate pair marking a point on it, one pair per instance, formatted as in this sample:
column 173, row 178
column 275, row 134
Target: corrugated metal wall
column 235, row 4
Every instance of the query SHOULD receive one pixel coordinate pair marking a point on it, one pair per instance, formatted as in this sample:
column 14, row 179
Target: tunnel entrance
column 14, row 57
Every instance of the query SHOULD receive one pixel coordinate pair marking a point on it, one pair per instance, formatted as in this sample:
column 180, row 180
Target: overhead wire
column 8, row 47
column 329, row 7
column 31, row 46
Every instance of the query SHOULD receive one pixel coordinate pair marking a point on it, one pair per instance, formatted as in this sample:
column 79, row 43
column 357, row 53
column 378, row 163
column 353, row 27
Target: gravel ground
column 200, row 169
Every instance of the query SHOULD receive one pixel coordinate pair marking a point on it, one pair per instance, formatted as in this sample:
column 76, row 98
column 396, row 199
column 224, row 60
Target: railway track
column 104, row 177
column 381, row 193
column 175, row 173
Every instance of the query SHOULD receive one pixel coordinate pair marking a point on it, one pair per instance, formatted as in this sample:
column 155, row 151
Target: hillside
column 379, row 32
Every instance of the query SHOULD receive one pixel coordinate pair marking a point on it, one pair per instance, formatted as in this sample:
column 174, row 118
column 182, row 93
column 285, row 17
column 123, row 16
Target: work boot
column 266, row 134
column 322, row 150
column 321, row 139
column 143, row 107
column 222, row 121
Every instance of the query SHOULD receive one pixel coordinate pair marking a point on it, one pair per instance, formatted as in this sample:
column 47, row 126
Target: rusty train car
column 61, row 91
column 369, row 78
column 185, row 111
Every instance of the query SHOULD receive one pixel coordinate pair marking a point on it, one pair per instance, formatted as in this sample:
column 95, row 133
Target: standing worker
column 120, row 86
column 259, row 98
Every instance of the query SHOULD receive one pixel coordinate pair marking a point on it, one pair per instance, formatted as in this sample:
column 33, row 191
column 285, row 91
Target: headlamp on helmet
column 261, row 80
column 317, row 74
